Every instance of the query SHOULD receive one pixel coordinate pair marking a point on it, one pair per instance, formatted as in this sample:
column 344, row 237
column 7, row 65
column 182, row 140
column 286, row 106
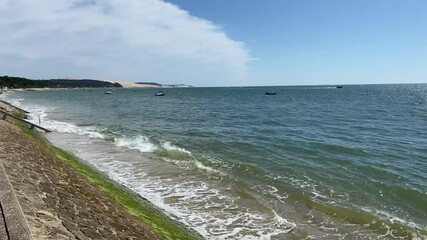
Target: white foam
column 392, row 218
column 64, row 127
column 15, row 101
column 207, row 207
column 273, row 191
column 140, row 143
column 170, row 147
column 196, row 204
column 280, row 221
column 39, row 115
column 201, row 166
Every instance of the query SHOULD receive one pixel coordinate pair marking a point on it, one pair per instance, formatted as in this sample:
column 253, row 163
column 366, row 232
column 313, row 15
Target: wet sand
column 58, row 202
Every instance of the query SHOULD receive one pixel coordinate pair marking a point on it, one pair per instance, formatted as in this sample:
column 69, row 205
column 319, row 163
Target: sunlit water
column 234, row 163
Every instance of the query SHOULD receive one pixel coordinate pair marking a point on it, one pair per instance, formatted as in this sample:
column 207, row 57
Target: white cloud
column 137, row 40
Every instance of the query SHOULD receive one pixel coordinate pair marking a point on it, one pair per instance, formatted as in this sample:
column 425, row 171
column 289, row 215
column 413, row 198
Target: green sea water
column 313, row 162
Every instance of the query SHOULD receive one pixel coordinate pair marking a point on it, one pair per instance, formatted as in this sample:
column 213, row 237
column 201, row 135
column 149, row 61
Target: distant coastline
column 8, row 82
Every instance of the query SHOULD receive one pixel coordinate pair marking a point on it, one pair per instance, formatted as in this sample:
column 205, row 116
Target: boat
column 270, row 93
column 159, row 93
column 108, row 92
column 339, row 86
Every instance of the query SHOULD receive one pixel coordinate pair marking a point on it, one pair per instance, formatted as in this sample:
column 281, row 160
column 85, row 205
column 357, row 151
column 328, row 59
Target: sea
column 311, row 162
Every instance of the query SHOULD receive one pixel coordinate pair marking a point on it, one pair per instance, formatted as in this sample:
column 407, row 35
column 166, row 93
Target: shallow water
column 233, row 163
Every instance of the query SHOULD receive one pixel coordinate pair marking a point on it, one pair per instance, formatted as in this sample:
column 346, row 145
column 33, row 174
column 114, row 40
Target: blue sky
column 216, row 42
column 325, row 41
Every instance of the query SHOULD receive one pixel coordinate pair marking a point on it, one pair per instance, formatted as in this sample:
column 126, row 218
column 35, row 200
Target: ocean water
column 311, row 162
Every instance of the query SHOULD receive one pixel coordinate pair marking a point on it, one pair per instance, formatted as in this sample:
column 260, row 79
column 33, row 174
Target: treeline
column 18, row 82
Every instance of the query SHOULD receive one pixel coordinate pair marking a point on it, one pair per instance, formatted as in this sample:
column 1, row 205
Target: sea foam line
column 195, row 208
column 157, row 190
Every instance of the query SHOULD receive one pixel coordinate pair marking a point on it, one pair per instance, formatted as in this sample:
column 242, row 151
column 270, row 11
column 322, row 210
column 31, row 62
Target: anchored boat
column 159, row 93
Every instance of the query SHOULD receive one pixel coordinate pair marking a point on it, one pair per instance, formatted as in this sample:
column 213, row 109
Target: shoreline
column 64, row 198
column 375, row 224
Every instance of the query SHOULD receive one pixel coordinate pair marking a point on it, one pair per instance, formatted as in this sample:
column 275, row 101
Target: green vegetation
column 21, row 115
column 134, row 204
column 17, row 82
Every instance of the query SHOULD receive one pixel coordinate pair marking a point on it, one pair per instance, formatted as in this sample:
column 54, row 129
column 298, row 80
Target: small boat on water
column 339, row 86
column 159, row 93
column 108, row 92
column 270, row 93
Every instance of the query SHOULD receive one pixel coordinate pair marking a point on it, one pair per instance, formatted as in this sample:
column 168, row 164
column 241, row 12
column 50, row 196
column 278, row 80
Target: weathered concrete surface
column 57, row 201
column 3, row 232
column 13, row 219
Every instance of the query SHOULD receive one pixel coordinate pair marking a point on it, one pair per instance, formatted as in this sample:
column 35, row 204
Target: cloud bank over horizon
column 134, row 40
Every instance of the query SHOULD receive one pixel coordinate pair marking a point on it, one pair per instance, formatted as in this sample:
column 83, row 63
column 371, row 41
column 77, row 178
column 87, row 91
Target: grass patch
column 133, row 203
column 21, row 114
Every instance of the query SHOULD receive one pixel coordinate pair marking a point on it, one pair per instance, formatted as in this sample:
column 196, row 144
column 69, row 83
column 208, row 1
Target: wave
column 39, row 115
column 211, row 210
column 140, row 143
column 13, row 101
column 144, row 145
column 166, row 150
column 63, row 127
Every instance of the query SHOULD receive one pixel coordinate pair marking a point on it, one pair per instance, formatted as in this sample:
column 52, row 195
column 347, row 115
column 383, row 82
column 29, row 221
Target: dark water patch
column 340, row 149
column 387, row 227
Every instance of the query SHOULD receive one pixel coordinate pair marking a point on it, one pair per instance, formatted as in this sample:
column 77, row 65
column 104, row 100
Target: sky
column 216, row 42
